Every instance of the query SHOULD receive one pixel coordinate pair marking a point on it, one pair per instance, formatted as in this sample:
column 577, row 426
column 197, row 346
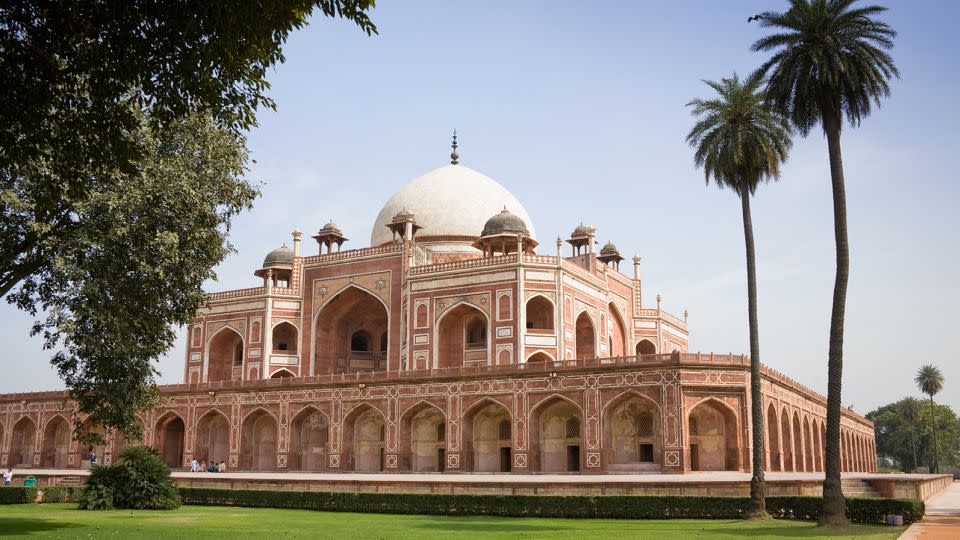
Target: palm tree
column 740, row 141
column 910, row 412
column 829, row 63
column 930, row 381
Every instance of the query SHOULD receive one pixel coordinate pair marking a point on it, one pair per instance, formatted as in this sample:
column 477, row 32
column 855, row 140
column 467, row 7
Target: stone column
column 267, row 330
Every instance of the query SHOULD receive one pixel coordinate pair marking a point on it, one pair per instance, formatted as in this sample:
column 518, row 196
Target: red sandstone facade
column 446, row 348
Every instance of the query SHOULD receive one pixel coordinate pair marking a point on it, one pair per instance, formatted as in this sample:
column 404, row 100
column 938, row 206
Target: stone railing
column 539, row 259
column 237, row 293
column 353, row 253
column 462, row 265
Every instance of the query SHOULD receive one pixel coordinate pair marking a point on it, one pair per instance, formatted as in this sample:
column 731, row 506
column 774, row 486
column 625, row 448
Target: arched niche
column 487, row 438
column 351, row 314
column 170, row 430
column 100, row 449
column 557, row 432
column 364, row 436
column 808, row 444
column 23, row 438
column 645, row 347
column 586, row 337
column 258, row 441
column 539, row 315
column 797, row 443
column 617, row 331
column 632, row 434
column 786, row 439
column 212, row 438
column 56, row 443
column 285, row 339
column 712, row 430
column 309, row 440
column 539, row 357
column 773, row 438
column 462, row 337
column 423, row 440
column 225, row 356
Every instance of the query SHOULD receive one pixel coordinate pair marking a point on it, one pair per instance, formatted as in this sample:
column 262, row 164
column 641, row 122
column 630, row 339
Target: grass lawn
column 64, row 521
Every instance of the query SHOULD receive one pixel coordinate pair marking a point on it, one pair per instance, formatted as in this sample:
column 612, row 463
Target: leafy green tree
column 829, row 63
column 741, row 141
column 111, row 215
column 930, row 381
column 903, row 431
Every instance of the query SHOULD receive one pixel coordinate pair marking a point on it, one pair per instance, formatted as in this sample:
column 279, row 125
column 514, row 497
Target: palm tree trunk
column 758, row 503
column 834, row 504
column 935, row 468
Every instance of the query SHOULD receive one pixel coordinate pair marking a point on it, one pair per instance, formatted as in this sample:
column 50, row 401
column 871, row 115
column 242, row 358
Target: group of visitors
column 202, row 466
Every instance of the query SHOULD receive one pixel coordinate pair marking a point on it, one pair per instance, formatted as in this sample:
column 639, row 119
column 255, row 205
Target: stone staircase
column 856, row 487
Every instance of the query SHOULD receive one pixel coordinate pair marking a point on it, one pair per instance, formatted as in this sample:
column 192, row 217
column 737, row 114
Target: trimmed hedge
column 17, row 495
column 607, row 506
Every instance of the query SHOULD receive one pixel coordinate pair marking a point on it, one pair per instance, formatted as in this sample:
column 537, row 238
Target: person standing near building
column 8, row 477
column 93, row 457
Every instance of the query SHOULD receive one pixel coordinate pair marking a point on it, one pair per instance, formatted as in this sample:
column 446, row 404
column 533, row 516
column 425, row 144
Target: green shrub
column 17, row 494
column 140, row 479
column 59, row 494
column 609, row 506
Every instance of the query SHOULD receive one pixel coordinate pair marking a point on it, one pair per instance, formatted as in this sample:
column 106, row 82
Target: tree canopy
column 122, row 161
column 905, row 425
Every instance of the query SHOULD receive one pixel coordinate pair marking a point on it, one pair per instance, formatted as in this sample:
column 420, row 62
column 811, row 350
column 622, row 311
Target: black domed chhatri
column 505, row 223
column 282, row 256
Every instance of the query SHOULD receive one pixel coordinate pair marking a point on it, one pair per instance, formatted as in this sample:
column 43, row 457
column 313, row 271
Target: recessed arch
column 351, row 309
column 631, row 433
column 798, row 443
column 487, row 428
column 224, row 354
column 773, row 438
column 586, row 336
column 23, row 437
column 286, row 338
column 259, row 440
column 364, row 439
column 786, row 438
column 540, row 314
column 617, row 332
column 461, row 336
column 712, row 428
column 309, row 440
column 808, row 444
column 212, row 437
column 646, row 347
column 556, row 434
column 423, row 438
column 169, row 437
column 540, row 356
column 282, row 373
column 56, row 442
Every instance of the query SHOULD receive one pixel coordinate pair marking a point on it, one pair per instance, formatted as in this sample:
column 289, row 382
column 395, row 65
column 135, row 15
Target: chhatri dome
column 453, row 202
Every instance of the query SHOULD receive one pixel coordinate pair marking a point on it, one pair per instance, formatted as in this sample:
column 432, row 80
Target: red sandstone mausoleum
column 451, row 345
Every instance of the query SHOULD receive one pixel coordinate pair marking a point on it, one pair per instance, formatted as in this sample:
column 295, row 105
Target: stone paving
column 942, row 518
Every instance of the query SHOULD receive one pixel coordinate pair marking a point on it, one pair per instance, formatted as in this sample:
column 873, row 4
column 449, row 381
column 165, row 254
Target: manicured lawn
column 64, row 521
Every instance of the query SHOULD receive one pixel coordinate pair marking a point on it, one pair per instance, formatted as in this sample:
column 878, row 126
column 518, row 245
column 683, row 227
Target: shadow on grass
column 28, row 526
column 806, row 532
column 489, row 525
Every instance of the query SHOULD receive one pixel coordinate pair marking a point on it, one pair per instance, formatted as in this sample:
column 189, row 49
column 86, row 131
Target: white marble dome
column 450, row 201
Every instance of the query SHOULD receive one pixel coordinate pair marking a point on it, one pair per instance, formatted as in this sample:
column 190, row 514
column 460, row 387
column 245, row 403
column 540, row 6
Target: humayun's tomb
column 451, row 345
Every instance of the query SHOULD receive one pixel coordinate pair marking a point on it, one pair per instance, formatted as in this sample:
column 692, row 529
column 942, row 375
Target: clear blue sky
column 578, row 108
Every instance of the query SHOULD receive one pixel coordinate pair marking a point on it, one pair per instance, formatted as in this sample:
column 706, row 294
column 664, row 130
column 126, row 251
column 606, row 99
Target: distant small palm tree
column 930, row 381
column 741, row 141
column 829, row 64
column 911, row 414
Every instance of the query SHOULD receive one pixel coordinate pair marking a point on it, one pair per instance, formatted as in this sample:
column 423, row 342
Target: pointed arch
column 56, row 442
column 282, row 373
column 617, row 332
column 423, row 428
column 645, row 347
column 631, row 433
column 798, row 456
column 169, row 433
column 211, row 440
column 285, row 338
column 712, row 429
column 223, row 351
column 540, row 356
column 463, row 339
column 586, row 335
column 773, row 439
column 786, row 440
column 540, row 314
column 23, row 438
column 309, row 440
column 259, row 440
column 351, row 309
column 364, row 437
column 556, row 434
column 487, row 431
column 807, row 444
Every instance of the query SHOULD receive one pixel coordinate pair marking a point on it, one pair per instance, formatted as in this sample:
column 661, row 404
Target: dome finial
column 454, row 156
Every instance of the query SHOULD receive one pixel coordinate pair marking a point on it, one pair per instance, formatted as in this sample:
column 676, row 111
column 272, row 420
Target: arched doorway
column 169, row 437
column 618, row 333
column 225, row 356
column 285, row 340
column 462, row 337
column 258, row 442
column 797, row 443
column 808, row 444
column 586, row 337
column 22, row 445
column 309, row 439
column 786, row 441
column 817, row 447
column 539, row 357
column 773, row 438
column 99, row 449
column 632, row 434
column 645, row 347
column 712, row 429
column 488, row 438
column 212, row 442
column 423, row 439
column 345, row 330
column 56, row 443
column 539, row 315
column 556, row 429
column 364, row 435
